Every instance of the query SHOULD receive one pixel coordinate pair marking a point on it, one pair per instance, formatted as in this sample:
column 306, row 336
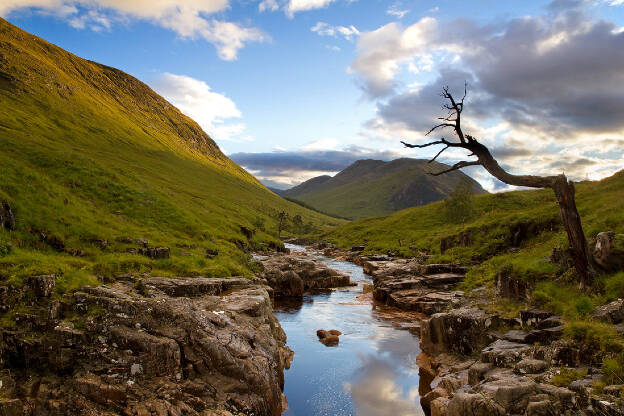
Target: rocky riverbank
column 480, row 364
column 152, row 346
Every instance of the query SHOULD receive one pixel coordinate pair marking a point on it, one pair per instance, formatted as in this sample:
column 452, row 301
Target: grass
column 90, row 153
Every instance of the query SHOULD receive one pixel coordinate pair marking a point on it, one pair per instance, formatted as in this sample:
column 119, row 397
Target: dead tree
column 563, row 188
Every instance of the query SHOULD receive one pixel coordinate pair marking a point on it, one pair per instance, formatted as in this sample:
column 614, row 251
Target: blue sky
column 295, row 88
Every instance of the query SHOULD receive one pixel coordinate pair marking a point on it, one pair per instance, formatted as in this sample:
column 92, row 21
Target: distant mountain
column 370, row 188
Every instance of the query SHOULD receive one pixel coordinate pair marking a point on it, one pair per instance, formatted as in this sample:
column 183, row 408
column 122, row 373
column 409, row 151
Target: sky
column 292, row 89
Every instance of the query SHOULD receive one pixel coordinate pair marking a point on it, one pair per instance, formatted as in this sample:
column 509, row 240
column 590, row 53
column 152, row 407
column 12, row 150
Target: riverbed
column 372, row 371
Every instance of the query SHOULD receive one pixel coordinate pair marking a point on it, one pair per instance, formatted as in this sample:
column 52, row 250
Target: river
column 372, row 372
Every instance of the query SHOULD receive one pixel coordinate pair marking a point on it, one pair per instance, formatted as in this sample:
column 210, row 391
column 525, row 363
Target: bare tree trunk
column 564, row 191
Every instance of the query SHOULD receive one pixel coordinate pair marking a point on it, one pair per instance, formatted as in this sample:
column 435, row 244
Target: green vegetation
column 565, row 376
column 92, row 159
column 459, row 206
column 371, row 188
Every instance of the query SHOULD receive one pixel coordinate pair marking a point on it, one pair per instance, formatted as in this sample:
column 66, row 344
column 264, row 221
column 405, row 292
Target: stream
column 372, row 371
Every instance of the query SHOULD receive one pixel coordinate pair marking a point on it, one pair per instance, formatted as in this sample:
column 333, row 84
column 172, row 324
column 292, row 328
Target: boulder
column 290, row 275
column 612, row 312
column 461, row 331
column 502, row 353
column 42, row 285
column 507, row 285
column 530, row 366
column 532, row 317
column 467, row 404
column 330, row 340
column 606, row 255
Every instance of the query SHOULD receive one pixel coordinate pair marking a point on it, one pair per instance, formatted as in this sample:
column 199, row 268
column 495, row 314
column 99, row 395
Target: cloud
column 382, row 51
column 209, row 109
column 295, row 6
column 542, row 84
column 270, row 5
column 288, row 168
column 325, row 29
column 395, row 10
column 187, row 18
column 376, row 391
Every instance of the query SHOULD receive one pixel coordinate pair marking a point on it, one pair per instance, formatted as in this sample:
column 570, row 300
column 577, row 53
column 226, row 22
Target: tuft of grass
column 596, row 335
column 565, row 376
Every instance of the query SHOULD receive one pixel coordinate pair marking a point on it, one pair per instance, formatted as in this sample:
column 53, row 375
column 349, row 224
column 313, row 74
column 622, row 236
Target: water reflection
column 372, row 372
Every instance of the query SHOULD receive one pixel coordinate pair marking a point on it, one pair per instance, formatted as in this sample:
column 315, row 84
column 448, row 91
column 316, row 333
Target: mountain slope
column 371, row 188
column 89, row 153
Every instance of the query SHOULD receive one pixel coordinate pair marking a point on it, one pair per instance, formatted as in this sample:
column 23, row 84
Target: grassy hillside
column 89, row 153
column 370, row 188
column 512, row 233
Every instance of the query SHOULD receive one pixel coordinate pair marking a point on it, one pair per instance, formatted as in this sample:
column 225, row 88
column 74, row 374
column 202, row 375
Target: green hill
column 512, row 230
column 371, row 188
column 92, row 159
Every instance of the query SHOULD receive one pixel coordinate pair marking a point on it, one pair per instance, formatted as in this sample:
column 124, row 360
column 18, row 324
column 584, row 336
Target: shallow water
column 371, row 372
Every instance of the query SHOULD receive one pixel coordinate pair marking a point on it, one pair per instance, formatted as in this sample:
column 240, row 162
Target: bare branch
column 420, row 146
column 439, row 153
column 441, row 125
column 457, row 166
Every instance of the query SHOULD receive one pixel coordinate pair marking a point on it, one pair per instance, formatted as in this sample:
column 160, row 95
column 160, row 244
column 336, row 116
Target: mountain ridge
column 370, row 187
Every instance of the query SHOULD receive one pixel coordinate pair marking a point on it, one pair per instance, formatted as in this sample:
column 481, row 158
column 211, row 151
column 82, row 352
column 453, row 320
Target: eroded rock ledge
column 161, row 346
column 290, row 275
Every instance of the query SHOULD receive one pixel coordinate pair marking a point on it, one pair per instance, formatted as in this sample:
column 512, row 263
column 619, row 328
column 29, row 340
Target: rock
column 155, row 252
column 466, row 404
column 334, row 332
column 477, row 372
column 193, row 344
column 532, row 317
column 290, row 275
column 612, row 312
column 502, row 353
column 141, row 242
column 530, row 366
column 606, row 255
column 211, row 253
column 124, row 240
column 540, row 408
column 517, row 336
column 358, row 249
column 551, row 322
column 425, row 302
column 461, row 331
column 511, row 393
column 439, row 406
column 7, row 219
column 42, row 285
column 330, row 340
column 321, row 333
column 507, row 285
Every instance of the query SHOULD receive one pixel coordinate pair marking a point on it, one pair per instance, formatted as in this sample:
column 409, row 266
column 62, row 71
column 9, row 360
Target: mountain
column 370, row 188
column 93, row 160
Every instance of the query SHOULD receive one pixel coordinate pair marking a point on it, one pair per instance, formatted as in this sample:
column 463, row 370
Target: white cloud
column 295, row 6
column 321, row 144
column 187, row 18
column 325, row 29
column 382, row 51
column 270, row 5
column 395, row 10
column 209, row 109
